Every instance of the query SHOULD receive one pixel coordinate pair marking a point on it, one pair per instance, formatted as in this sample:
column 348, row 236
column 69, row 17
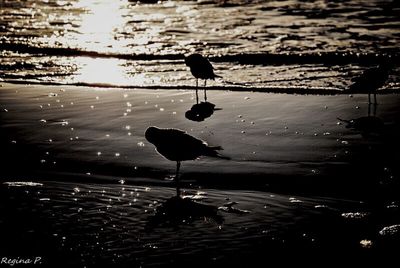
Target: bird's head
column 151, row 134
column 193, row 59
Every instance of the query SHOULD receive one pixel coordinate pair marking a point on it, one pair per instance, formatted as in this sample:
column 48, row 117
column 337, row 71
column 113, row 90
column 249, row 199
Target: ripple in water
column 23, row 184
column 142, row 44
column 391, row 230
column 355, row 215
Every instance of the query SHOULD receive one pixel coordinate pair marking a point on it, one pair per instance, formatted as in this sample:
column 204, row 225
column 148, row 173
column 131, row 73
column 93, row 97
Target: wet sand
column 304, row 181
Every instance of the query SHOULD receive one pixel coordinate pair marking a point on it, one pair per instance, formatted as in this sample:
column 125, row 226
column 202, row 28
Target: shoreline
column 291, row 90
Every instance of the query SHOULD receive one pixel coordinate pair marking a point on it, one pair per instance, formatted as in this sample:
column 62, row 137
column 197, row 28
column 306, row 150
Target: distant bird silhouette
column 201, row 68
column 371, row 80
column 177, row 145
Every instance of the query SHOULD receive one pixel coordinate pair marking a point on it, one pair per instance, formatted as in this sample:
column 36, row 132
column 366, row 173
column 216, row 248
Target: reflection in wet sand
column 177, row 210
column 200, row 111
column 367, row 125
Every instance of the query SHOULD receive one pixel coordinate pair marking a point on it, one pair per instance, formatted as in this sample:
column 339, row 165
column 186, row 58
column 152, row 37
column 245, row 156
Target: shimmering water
column 120, row 225
column 81, row 185
column 267, row 44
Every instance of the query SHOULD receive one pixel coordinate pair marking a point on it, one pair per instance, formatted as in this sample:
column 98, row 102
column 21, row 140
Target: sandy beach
column 83, row 185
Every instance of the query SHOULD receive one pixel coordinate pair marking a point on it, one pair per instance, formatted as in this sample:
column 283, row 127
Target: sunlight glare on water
column 99, row 30
column 104, row 27
column 142, row 34
column 103, row 71
column 99, row 24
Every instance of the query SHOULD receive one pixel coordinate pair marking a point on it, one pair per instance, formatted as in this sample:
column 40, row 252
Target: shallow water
column 124, row 43
column 283, row 141
column 118, row 224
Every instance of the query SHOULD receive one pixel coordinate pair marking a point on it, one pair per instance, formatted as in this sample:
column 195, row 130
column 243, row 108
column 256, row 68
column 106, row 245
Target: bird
column 371, row 80
column 176, row 145
column 201, row 68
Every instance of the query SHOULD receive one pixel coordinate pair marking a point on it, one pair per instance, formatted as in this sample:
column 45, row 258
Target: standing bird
column 371, row 80
column 201, row 68
column 177, row 145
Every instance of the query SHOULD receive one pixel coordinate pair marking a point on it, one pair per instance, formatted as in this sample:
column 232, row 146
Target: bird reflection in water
column 367, row 125
column 200, row 68
column 200, row 111
column 177, row 145
column 180, row 210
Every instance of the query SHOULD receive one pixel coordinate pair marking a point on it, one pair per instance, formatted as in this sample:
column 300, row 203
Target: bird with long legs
column 201, row 68
column 371, row 80
column 176, row 145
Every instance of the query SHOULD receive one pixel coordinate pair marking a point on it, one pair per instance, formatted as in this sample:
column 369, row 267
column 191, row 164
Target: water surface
column 129, row 43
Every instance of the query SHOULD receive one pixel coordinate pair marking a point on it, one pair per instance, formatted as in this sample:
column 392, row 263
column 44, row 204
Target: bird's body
column 200, row 68
column 177, row 145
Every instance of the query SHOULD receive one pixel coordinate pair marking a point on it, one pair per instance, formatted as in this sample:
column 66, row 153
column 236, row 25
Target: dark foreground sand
column 304, row 181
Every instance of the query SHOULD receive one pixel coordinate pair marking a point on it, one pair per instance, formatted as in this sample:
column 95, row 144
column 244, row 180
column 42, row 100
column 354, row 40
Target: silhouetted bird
column 371, row 80
column 177, row 145
column 201, row 68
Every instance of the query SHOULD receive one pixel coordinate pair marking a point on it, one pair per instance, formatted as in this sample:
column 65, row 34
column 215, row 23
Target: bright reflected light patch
column 100, row 23
column 102, row 71
column 365, row 243
column 22, row 183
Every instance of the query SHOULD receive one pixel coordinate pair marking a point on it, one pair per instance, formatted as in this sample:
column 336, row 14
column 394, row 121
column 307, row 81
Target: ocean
column 278, row 44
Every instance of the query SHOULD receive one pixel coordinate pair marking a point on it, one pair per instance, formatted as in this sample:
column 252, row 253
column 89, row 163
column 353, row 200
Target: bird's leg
column 375, row 100
column 375, row 109
column 369, row 97
column 205, row 91
column 197, row 93
column 178, row 190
